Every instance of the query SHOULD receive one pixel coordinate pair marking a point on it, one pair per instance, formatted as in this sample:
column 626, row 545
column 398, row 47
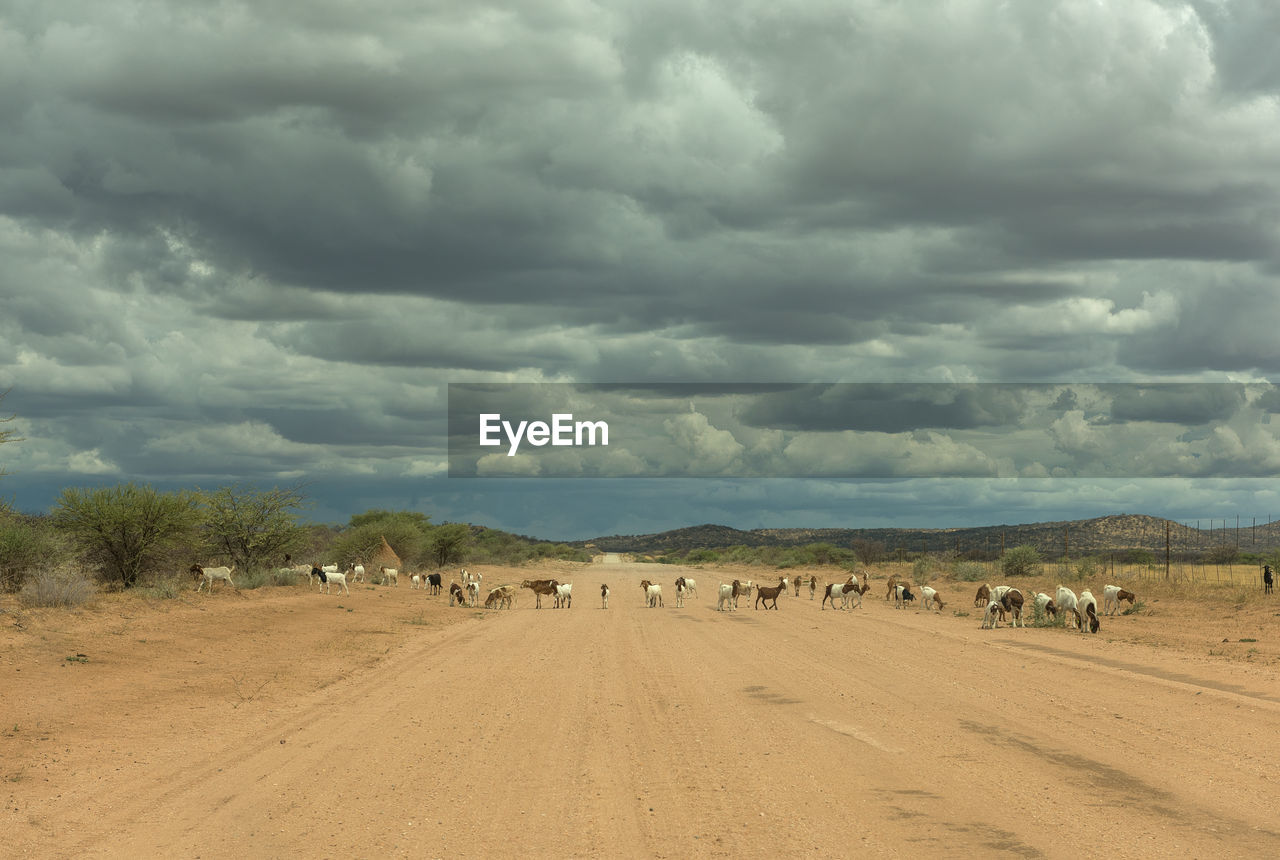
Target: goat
column 390, row 574
column 1089, row 609
column 357, row 572
column 455, row 595
column 1011, row 600
column 604, row 595
column 903, row 596
column 541, row 588
column 472, row 589
column 991, row 618
column 433, row 582
column 680, row 593
column 208, row 575
column 797, row 585
column 835, row 590
column 689, row 585
column 894, row 582
column 931, row 598
column 564, row 595
column 499, row 596
column 983, row 597
column 328, row 578
column 813, row 586
column 1066, row 600
column 652, row 593
column 1111, row 597
column 770, row 592
column 726, row 597
column 1045, row 604
column 739, row 589
column 415, row 581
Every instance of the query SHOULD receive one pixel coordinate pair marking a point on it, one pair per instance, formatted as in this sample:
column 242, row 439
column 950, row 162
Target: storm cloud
column 253, row 243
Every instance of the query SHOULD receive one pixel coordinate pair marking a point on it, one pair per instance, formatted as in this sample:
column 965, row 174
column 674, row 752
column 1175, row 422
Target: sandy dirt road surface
column 386, row 724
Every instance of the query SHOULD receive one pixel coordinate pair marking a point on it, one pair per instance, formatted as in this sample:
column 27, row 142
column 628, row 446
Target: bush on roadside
column 56, row 586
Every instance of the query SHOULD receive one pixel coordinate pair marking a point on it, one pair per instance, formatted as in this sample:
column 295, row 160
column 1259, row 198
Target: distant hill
column 1053, row 539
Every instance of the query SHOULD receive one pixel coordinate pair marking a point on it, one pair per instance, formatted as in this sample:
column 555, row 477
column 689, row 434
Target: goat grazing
column 498, row 597
column 207, row 576
column 604, row 595
column 1044, row 603
column 770, row 592
column 1066, row 600
column 931, row 598
column 983, row 596
column 540, row 588
column 456, row 597
column 1111, row 597
column 1089, row 611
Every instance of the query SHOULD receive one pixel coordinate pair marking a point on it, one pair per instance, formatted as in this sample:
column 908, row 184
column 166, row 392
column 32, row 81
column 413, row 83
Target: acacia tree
column 252, row 529
column 126, row 530
column 448, row 542
column 6, row 436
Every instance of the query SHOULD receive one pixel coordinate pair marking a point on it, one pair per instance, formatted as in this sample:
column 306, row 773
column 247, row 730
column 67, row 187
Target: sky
column 254, row 244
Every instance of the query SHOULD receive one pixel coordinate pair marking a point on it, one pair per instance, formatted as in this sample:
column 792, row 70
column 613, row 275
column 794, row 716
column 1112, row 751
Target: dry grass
column 57, row 587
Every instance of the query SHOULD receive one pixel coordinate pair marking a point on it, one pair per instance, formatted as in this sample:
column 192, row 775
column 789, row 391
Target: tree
column 868, row 551
column 1020, row 561
column 448, row 542
column 253, row 529
column 7, row 435
column 407, row 532
column 126, row 530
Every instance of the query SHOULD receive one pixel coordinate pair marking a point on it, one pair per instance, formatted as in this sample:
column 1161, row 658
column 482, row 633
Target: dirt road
column 635, row 732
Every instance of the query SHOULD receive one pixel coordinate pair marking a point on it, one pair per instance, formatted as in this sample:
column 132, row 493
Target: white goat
column 604, row 595
column 564, row 595
column 1045, row 604
column 390, row 574
column 726, row 597
column 1066, row 601
column 209, row 574
column 357, row 572
column 473, row 592
column 331, row 578
column 991, row 618
column 654, row 595
column 416, row 581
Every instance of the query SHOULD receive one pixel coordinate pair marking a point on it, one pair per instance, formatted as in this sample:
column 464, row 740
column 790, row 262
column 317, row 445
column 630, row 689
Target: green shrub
column 25, row 544
column 1021, row 561
column 971, row 571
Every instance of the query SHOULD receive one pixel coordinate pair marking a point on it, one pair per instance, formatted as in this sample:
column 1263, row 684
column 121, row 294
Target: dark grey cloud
column 230, row 225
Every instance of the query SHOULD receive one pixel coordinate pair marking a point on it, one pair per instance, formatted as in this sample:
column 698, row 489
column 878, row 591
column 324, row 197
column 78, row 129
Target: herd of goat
column 1003, row 603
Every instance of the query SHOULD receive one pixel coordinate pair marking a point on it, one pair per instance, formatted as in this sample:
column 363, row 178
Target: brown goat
column 984, row 596
column 541, row 588
column 456, row 595
column 767, row 593
column 500, row 596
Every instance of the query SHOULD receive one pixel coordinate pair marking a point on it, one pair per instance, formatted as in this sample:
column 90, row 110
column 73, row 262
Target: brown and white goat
column 498, row 597
column 1111, row 597
column 839, row 590
column 1089, row 612
column 652, row 593
column 541, row 588
column 930, row 598
column 1012, row 601
column 604, row 595
column 456, row 595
